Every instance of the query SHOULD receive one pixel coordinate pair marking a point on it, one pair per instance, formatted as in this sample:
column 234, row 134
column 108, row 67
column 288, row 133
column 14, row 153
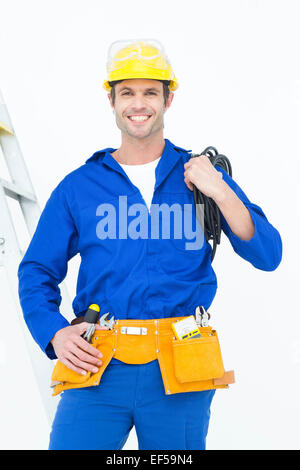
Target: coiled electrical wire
column 211, row 217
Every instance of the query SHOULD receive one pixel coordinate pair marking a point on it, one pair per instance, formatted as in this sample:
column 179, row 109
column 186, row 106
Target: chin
column 139, row 136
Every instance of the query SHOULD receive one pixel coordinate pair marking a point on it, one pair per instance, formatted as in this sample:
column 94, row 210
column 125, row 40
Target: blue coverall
column 130, row 278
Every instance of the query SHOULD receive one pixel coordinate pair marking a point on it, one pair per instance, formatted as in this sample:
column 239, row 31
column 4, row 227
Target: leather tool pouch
column 187, row 365
column 193, row 364
column 197, row 358
column 64, row 378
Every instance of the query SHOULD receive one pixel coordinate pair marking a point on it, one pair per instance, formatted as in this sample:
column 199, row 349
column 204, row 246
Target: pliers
column 105, row 322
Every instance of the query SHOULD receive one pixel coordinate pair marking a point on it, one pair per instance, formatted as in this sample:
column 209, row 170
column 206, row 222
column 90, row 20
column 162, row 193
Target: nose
column 138, row 104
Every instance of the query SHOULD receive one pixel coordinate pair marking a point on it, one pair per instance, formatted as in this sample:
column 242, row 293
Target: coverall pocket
column 197, row 358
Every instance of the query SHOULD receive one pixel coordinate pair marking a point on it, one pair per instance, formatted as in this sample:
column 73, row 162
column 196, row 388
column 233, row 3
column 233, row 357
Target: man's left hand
column 200, row 172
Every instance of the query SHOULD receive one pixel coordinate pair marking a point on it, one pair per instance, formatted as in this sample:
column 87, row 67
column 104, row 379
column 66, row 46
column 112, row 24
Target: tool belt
column 186, row 365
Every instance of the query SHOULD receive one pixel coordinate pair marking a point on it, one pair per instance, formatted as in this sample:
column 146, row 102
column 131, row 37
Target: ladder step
column 6, row 128
column 12, row 190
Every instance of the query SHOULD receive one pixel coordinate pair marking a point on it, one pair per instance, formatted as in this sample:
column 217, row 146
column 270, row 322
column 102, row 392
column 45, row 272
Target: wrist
column 52, row 340
column 221, row 193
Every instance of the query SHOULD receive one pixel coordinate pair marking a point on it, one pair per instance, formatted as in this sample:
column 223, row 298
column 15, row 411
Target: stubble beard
column 156, row 126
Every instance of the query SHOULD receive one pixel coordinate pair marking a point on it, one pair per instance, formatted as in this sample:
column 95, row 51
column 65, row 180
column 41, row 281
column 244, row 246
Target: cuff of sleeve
column 264, row 249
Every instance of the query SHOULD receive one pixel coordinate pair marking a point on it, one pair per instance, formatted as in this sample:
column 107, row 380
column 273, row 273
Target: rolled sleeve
column 264, row 249
column 44, row 267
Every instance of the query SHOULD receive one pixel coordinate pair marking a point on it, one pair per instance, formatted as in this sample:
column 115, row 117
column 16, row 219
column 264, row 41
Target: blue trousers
column 101, row 417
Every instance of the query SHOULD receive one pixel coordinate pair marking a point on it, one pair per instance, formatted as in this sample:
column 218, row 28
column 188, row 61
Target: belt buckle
column 133, row 330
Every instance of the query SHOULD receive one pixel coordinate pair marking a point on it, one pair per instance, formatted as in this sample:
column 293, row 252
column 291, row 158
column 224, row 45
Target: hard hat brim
column 173, row 83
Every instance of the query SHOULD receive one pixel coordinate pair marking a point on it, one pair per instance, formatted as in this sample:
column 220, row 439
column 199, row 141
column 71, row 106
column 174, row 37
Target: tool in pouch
column 186, row 328
column 61, row 372
column 196, row 349
column 189, row 327
column 91, row 316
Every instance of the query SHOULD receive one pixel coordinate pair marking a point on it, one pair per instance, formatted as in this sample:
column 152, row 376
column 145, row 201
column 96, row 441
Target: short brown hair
column 165, row 83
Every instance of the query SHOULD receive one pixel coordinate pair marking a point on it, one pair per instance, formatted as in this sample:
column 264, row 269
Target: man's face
column 139, row 106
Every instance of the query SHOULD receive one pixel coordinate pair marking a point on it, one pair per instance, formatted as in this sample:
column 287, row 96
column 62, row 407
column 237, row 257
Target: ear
column 110, row 100
column 169, row 101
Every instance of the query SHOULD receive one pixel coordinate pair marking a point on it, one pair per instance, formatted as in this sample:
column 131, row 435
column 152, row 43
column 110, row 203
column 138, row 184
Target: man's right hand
column 75, row 352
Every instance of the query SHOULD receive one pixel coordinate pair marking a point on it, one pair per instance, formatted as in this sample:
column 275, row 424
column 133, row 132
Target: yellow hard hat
column 138, row 58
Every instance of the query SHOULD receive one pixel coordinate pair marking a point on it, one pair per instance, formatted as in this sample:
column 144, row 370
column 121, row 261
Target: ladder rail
column 10, row 261
column 21, row 189
column 21, row 186
column 12, row 152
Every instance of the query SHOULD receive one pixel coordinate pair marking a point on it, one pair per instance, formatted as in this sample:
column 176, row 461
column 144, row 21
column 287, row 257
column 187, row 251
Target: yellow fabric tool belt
column 186, row 365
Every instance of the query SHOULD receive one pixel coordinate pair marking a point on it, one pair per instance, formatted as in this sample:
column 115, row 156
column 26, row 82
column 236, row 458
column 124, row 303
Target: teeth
column 138, row 118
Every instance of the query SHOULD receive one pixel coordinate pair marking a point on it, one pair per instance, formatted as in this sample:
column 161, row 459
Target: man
column 131, row 276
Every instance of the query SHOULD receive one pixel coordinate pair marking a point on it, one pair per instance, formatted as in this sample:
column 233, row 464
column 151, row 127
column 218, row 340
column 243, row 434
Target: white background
column 238, row 68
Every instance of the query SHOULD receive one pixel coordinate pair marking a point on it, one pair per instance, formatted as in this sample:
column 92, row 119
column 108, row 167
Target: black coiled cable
column 211, row 216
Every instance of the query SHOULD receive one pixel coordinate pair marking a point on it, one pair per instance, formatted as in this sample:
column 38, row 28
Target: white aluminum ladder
column 20, row 188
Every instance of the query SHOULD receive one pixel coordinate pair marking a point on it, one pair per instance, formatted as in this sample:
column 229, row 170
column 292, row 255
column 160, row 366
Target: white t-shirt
column 143, row 176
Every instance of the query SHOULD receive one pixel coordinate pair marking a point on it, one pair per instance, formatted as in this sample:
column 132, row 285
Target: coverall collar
column 170, row 156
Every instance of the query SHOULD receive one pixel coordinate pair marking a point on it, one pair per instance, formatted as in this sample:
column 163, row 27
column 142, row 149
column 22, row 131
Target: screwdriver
column 91, row 316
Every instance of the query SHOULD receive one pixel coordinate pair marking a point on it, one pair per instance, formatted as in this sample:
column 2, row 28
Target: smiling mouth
column 139, row 119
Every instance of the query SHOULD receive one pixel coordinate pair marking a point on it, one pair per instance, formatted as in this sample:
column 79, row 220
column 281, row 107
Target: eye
column 149, row 92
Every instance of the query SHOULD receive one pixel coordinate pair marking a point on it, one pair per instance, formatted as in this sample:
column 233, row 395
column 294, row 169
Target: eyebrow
column 128, row 88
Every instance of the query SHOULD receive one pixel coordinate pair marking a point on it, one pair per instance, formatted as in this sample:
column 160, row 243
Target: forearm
column 44, row 266
column 235, row 212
